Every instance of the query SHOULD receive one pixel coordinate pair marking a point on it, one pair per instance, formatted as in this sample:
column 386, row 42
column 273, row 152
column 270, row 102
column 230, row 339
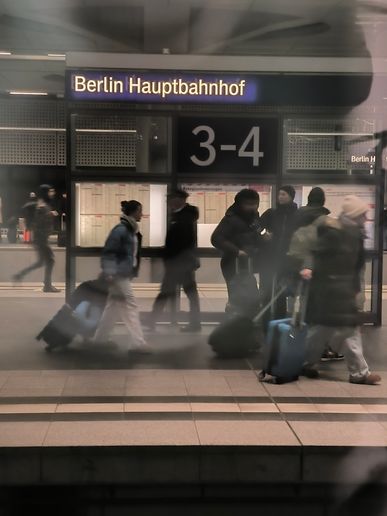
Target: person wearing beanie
column 42, row 227
column 279, row 222
column 238, row 235
column 180, row 262
column 120, row 263
column 313, row 210
column 334, row 270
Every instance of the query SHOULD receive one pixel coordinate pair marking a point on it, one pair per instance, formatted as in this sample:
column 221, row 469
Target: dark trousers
column 46, row 259
column 174, row 278
column 270, row 283
column 229, row 270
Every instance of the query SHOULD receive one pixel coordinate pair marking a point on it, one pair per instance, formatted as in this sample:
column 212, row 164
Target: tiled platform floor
column 180, row 395
column 190, row 407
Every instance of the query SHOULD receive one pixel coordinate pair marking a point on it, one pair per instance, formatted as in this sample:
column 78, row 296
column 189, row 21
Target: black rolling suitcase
column 237, row 337
column 66, row 325
column 61, row 330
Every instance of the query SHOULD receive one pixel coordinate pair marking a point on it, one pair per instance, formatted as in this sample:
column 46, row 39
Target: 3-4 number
column 252, row 140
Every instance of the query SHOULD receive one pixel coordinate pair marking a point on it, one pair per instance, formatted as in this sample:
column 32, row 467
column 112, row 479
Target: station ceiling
column 312, row 28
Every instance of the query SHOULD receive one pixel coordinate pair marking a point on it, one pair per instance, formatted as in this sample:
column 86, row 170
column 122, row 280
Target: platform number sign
column 227, row 145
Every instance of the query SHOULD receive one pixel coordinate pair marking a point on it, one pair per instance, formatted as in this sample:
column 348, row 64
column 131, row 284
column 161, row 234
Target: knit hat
column 247, row 194
column 178, row 193
column 43, row 192
column 289, row 190
column 353, row 206
column 316, row 197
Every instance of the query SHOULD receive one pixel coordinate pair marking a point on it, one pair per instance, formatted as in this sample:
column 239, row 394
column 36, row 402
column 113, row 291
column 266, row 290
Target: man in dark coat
column 238, row 235
column 42, row 227
column 180, row 260
column 313, row 210
column 279, row 222
column 334, row 275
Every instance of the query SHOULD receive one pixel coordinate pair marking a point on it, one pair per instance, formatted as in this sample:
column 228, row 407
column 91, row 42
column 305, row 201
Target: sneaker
column 370, row 379
column 310, row 372
column 331, row 356
column 191, row 328
column 51, row 289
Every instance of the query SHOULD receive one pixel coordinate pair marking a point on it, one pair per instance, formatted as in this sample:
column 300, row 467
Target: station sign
column 174, row 87
column 168, row 87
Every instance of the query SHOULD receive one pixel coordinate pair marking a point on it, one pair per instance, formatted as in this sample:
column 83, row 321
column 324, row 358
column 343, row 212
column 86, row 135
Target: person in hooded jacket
column 42, row 227
column 238, row 235
column 180, row 260
column 279, row 223
column 306, row 216
column 120, row 264
column 334, row 274
column 313, row 210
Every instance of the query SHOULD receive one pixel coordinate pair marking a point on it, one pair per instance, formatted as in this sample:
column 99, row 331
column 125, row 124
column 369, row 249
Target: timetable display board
column 99, row 208
column 335, row 194
column 213, row 200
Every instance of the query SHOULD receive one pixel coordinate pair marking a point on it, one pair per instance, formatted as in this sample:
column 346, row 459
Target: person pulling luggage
column 239, row 237
column 333, row 271
column 120, row 264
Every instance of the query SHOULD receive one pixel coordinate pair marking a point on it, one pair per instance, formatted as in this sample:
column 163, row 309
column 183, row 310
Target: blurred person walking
column 308, row 217
column 42, row 227
column 180, row 260
column 333, row 270
column 120, row 263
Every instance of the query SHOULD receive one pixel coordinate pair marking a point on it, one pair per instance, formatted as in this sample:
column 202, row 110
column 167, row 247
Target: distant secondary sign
column 161, row 87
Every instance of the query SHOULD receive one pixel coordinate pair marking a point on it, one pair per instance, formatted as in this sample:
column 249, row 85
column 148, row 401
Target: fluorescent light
column 56, row 55
column 330, row 134
column 5, row 53
column 28, row 92
column 45, row 129
column 106, row 130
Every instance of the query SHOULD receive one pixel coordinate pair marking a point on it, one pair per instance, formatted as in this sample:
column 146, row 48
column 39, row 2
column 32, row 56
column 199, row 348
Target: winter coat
column 303, row 241
column 237, row 233
column 308, row 214
column 42, row 225
column 181, row 239
column 118, row 253
column 280, row 223
column 338, row 258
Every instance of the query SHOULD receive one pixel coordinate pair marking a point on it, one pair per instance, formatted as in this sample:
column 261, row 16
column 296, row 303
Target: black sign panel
column 227, row 145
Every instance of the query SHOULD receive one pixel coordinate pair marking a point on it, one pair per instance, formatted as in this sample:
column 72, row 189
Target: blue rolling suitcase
column 285, row 345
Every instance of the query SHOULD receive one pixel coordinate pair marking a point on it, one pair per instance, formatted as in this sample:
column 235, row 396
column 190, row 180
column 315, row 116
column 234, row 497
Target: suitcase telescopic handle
column 269, row 304
column 300, row 303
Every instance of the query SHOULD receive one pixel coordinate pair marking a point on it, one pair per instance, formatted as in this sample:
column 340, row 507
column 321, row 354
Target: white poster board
column 335, row 194
column 98, row 211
